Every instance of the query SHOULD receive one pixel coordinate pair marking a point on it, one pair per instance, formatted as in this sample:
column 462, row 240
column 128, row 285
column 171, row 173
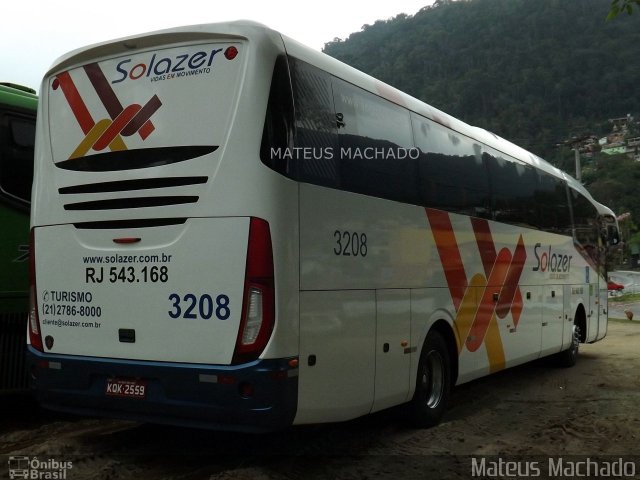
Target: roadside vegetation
column 624, row 320
column 625, row 298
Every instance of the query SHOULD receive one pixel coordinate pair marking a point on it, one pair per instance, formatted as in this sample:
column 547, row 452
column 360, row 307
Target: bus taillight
column 258, row 305
column 35, row 335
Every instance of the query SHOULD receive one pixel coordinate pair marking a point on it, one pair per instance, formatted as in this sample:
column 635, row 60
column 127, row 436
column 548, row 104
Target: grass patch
column 623, row 320
column 629, row 297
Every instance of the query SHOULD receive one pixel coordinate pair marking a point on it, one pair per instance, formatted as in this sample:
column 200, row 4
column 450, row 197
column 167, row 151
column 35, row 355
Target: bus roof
column 18, row 96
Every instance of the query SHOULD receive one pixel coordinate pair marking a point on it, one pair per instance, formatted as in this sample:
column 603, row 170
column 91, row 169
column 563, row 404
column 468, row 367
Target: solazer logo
column 122, row 121
column 551, row 261
column 171, row 66
column 499, row 293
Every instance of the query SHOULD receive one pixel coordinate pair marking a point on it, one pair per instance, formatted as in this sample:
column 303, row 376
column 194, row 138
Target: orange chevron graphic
column 487, row 296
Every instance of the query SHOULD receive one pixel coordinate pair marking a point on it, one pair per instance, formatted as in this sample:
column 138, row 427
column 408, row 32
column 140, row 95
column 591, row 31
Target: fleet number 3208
column 350, row 244
column 203, row 306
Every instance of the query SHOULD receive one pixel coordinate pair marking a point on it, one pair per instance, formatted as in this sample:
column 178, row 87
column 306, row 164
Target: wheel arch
column 445, row 329
column 580, row 319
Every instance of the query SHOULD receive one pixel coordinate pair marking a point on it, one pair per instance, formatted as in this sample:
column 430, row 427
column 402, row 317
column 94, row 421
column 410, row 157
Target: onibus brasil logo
column 34, row 468
column 122, row 121
column 476, row 319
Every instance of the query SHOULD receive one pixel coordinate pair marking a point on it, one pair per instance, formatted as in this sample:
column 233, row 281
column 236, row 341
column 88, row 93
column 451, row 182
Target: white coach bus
column 231, row 230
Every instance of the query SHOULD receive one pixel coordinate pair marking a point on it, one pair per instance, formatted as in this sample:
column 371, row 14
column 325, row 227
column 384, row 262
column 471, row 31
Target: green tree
column 618, row 6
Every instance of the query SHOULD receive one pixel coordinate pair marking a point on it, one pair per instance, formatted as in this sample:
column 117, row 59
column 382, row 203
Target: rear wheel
column 433, row 383
column 568, row 357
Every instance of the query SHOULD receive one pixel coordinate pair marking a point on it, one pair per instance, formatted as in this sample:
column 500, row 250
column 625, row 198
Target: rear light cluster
column 35, row 335
column 258, row 303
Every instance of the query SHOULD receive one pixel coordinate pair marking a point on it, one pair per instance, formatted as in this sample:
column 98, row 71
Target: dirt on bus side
column 531, row 412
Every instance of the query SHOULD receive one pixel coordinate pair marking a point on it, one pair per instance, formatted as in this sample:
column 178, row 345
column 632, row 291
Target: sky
column 32, row 39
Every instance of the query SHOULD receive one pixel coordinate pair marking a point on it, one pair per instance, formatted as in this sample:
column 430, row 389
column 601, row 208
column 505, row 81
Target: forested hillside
column 532, row 71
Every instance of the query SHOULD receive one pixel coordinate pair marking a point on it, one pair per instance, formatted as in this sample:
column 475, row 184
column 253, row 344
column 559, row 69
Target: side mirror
column 613, row 237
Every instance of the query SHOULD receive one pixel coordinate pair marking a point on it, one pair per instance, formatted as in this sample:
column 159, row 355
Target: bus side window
column 316, row 137
column 613, row 235
column 552, row 202
column 513, row 188
column 278, row 125
column 585, row 224
column 16, row 157
column 376, row 145
column 452, row 177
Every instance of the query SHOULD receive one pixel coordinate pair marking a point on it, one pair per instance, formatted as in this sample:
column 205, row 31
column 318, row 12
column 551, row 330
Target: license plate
column 117, row 387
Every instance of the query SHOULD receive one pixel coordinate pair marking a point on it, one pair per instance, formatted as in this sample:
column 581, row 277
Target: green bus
column 18, row 106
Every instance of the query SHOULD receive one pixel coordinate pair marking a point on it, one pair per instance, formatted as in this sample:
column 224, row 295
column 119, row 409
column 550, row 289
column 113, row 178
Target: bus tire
column 433, row 383
column 569, row 357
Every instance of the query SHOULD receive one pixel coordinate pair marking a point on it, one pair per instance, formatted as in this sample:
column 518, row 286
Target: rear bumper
column 179, row 394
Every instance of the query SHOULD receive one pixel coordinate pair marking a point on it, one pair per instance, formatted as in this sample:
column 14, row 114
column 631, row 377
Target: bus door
column 602, row 308
column 393, row 318
column 592, row 306
column 609, row 238
column 567, row 317
column 597, row 308
column 552, row 319
column 337, row 362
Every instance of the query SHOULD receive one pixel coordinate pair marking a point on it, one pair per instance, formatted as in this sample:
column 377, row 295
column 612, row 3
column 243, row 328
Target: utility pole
column 575, row 143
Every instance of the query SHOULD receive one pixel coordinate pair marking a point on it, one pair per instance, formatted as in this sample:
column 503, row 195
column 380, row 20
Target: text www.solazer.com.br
column 119, row 259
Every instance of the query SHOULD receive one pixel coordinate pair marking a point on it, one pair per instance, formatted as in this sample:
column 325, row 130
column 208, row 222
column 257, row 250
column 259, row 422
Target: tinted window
column 553, row 205
column 453, row 175
column 277, row 136
column 376, row 145
column 513, row 189
column 23, row 132
column 365, row 115
column 316, row 140
column 585, row 223
column 328, row 132
column 16, row 156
